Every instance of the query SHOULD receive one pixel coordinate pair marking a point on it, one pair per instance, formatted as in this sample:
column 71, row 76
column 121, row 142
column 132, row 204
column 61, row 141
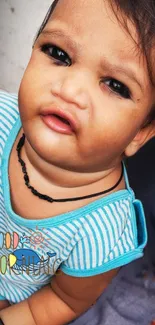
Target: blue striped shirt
column 105, row 234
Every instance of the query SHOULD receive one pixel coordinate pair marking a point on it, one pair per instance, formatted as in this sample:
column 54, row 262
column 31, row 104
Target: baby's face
column 86, row 70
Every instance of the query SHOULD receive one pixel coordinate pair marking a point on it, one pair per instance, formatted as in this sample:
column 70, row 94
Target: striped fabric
column 100, row 236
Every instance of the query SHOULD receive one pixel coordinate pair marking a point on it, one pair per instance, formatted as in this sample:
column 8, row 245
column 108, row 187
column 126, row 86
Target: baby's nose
column 73, row 87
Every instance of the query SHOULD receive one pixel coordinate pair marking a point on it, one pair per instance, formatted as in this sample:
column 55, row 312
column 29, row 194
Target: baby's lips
column 66, row 115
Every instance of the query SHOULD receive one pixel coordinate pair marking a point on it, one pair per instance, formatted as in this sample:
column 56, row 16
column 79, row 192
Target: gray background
column 19, row 21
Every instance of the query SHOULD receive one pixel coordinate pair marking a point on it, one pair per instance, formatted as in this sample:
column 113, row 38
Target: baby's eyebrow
column 60, row 34
column 121, row 69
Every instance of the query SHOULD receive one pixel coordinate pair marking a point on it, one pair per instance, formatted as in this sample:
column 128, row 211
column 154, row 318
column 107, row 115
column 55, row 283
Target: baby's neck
column 51, row 175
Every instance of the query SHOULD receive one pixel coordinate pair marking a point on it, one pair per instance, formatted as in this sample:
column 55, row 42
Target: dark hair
column 141, row 13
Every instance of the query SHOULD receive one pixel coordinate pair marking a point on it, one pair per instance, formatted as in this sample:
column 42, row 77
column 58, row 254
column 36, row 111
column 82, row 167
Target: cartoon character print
column 26, row 259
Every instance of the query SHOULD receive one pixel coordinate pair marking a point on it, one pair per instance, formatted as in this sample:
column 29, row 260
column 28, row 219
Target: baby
column 69, row 219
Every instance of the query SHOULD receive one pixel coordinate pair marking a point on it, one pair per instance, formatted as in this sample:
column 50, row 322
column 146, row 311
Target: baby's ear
column 143, row 135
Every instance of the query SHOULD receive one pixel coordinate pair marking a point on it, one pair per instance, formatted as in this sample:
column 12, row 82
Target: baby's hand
column 153, row 322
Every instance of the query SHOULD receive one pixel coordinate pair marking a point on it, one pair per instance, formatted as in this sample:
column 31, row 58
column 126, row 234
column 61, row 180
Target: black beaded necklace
column 46, row 197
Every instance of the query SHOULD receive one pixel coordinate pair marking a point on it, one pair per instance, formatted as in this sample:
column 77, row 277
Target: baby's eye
column 118, row 87
column 59, row 56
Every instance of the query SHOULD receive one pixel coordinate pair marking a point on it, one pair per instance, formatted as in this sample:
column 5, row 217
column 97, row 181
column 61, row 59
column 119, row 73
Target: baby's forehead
column 99, row 29
column 88, row 19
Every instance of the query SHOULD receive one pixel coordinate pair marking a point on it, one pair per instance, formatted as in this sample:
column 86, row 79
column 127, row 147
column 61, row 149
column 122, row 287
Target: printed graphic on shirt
column 26, row 259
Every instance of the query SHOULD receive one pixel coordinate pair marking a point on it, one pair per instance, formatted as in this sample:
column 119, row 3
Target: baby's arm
column 4, row 304
column 59, row 303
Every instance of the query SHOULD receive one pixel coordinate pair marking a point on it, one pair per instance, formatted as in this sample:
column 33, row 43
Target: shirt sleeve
column 108, row 240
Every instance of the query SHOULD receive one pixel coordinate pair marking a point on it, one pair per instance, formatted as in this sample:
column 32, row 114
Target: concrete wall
column 19, row 21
